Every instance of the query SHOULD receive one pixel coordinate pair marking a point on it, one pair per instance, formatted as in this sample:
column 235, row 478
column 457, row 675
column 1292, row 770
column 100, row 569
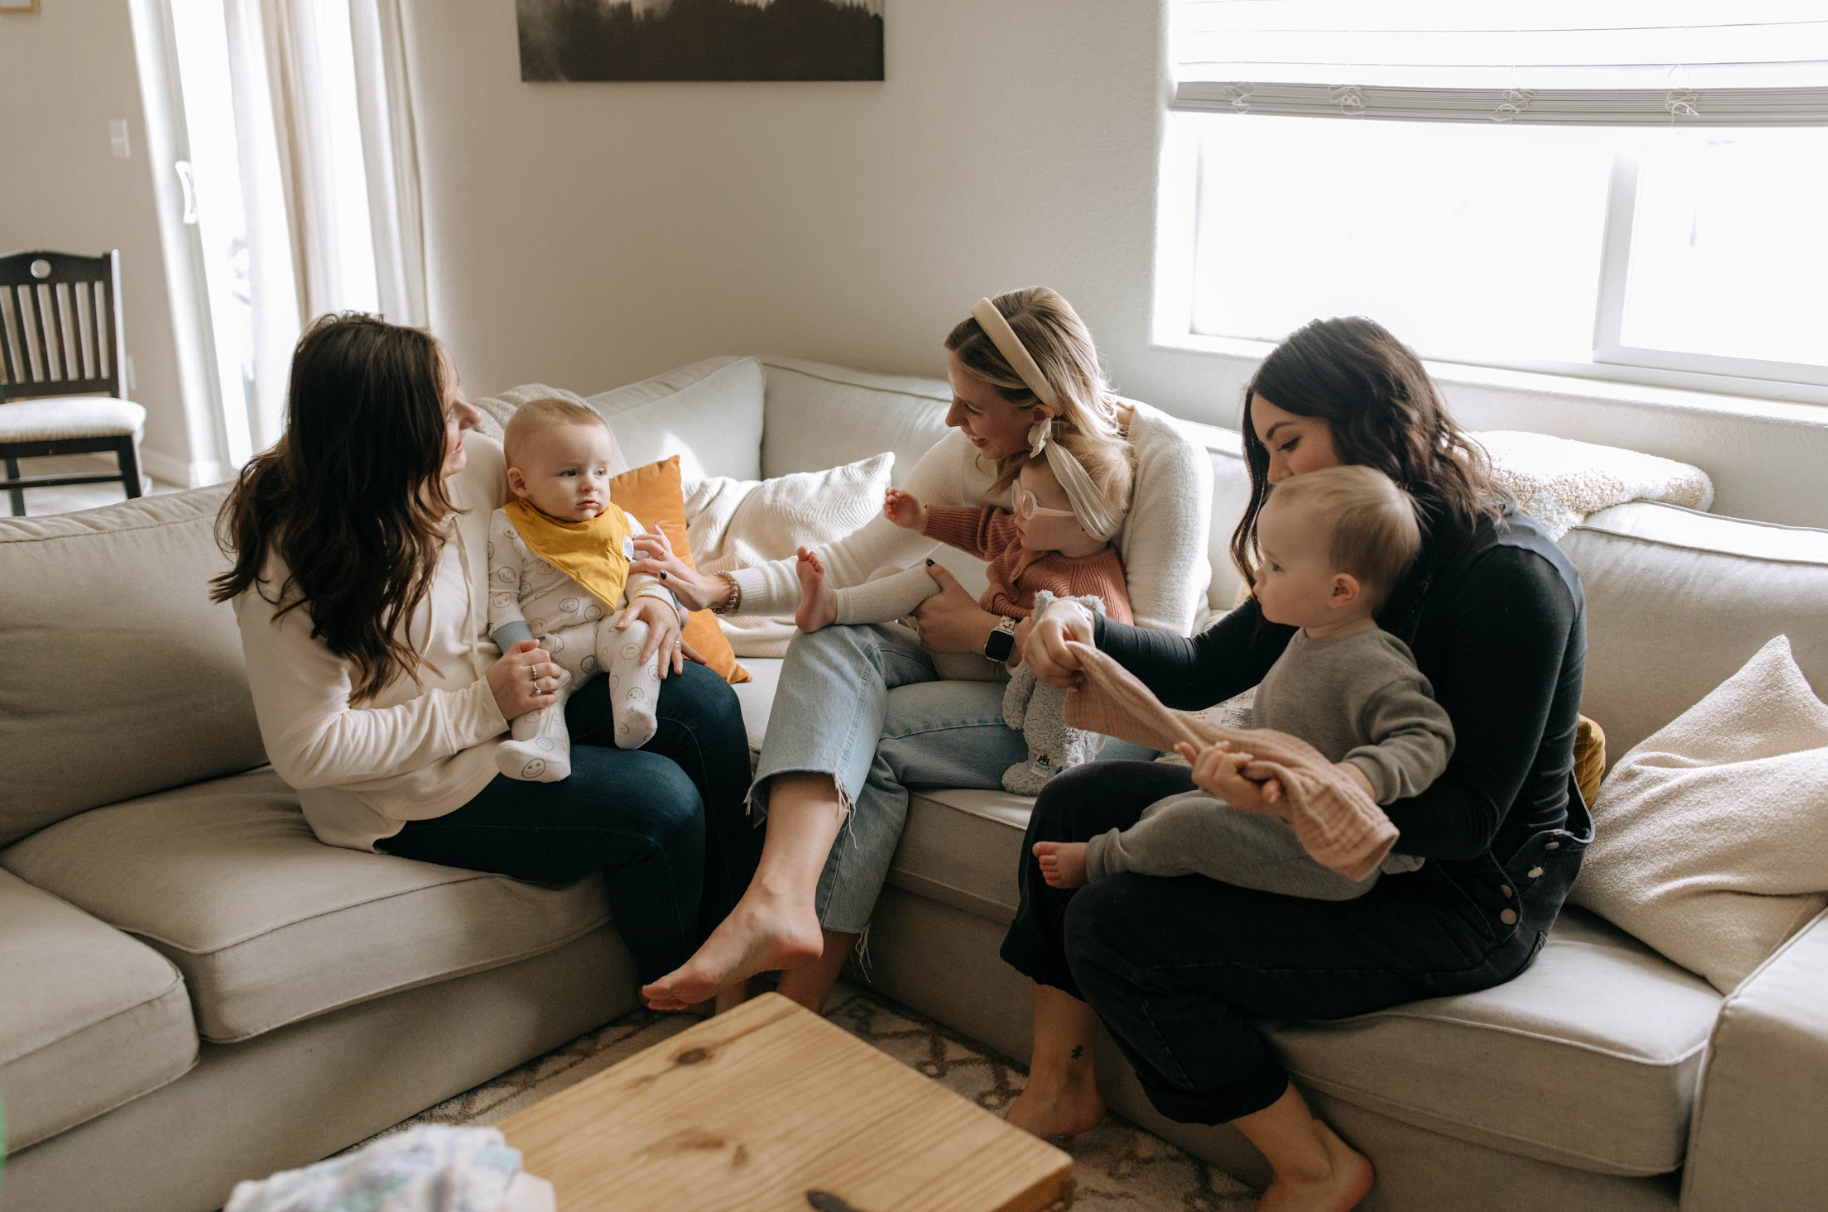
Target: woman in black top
column 1175, row 966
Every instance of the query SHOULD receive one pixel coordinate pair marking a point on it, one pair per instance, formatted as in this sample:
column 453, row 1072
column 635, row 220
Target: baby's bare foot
column 818, row 601
column 1062, row 863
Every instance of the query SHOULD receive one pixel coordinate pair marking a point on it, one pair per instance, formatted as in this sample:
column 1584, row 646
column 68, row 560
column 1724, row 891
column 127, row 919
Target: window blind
column 1582, row 62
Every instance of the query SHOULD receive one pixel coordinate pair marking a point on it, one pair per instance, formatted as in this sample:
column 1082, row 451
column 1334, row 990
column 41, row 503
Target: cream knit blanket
column 1559, row 481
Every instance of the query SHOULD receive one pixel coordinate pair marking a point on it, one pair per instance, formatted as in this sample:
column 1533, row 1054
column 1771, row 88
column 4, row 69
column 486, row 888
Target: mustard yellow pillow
column 654, row 494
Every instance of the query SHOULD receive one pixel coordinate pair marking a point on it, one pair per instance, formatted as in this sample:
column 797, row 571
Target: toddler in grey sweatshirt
column 1332, row 545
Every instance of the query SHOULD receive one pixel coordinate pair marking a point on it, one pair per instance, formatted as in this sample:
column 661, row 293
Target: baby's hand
column 904, row 509
column 1219, row 772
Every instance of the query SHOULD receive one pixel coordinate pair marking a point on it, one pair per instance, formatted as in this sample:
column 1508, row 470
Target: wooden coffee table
column 771, row 1108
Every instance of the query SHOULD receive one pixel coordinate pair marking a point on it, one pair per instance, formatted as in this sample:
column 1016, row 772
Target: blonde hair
column 1371, row 523
column 1057, row 339
column 1110, row 465
column 537, row 416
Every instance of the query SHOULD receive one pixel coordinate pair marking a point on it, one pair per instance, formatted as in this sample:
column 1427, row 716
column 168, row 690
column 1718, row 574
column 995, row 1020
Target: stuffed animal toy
column 1038, row 712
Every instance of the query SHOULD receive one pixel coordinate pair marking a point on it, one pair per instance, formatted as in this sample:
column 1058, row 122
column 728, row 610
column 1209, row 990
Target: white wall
column 590, row 234
column 64, row 72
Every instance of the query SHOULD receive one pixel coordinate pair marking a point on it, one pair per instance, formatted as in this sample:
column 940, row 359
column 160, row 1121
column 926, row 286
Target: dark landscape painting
column 700, row 39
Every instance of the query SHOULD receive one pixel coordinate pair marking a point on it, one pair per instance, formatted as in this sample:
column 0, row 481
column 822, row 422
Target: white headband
column 1101, row 520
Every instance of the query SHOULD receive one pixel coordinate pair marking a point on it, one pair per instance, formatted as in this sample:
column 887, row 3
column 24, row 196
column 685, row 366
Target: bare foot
column 818, row 603
column 731, row 998
column 764, row 932
column 1055, row 1105
column 1344, row 1184
column 1062, row 863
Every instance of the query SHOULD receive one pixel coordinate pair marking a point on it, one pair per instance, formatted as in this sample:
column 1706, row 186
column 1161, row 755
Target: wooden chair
column 62, row 348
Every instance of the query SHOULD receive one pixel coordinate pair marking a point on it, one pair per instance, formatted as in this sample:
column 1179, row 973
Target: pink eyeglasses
column 1024, row 506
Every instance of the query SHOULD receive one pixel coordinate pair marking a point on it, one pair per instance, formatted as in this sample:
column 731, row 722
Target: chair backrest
column 60, row 325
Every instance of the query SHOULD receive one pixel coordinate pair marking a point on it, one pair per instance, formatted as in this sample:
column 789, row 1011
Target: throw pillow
column 653, row 495
column 708, row 413
column 1711, row 836
column 741, row 523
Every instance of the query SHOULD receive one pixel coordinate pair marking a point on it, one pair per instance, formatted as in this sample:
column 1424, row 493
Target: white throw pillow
column 1711, row 836
column 740, row 523
column 708, row 413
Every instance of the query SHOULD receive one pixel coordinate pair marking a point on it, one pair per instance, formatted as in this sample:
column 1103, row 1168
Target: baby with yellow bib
column 558, row 574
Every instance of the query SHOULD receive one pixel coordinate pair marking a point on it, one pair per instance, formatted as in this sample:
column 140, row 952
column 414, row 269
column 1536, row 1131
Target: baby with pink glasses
column 1039, row 551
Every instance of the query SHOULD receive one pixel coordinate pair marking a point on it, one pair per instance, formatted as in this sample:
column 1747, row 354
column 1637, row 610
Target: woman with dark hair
column 359, row 581
column 1176, row 966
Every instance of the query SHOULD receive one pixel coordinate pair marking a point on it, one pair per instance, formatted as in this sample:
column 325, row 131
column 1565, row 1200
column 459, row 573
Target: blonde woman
column 864, row 712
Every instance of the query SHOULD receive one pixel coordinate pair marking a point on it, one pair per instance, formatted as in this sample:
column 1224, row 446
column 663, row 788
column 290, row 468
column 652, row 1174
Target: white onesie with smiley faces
column 577, row 627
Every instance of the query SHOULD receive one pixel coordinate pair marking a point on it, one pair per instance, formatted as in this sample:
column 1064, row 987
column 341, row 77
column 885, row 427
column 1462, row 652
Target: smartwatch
column 1002, row 641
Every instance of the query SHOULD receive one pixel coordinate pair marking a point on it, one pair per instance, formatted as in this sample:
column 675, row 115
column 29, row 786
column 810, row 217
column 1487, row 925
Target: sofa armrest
column 1762, row 1109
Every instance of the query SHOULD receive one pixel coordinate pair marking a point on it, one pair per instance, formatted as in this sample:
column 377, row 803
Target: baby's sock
column 886, row 596
column 634, row 686
column 540, row 751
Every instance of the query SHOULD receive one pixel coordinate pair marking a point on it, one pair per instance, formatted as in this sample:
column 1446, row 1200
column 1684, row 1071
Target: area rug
column 1120, row 1167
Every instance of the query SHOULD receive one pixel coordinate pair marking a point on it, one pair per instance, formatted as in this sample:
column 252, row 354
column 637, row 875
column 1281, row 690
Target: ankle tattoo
column 1078, row 1051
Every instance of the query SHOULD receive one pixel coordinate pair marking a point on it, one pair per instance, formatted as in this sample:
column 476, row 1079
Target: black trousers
column 1177, row 967
column 665, row 822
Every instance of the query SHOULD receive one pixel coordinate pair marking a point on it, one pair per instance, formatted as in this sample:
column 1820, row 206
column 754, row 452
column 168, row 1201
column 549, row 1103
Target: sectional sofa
column 194, row 991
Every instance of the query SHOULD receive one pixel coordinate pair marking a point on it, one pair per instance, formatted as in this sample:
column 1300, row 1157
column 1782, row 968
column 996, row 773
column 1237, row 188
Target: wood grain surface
column 771, row 1108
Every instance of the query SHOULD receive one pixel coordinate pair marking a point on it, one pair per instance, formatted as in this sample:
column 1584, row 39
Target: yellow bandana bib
column 595, row 554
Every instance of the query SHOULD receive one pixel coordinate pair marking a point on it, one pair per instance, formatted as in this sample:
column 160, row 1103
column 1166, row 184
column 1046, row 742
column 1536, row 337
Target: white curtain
column 330, row 174
column 1602, row 62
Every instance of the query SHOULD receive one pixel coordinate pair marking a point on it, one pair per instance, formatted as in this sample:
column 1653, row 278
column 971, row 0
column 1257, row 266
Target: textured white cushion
column 1559, row 481
column 1711, row 836
column 740, row 523
column 269, row 925
column 89, row 1018
column 62, row 417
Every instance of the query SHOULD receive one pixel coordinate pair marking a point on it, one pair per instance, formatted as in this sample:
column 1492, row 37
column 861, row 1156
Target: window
column 1521, row 214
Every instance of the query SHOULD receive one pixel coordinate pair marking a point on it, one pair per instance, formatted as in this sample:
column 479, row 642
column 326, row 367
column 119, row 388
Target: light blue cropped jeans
column 867, row 705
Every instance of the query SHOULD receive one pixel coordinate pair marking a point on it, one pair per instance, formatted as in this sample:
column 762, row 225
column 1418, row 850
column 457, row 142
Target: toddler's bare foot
column 818, row 602
column 1342, row 1187
column 1062, row 863
column 763, row 933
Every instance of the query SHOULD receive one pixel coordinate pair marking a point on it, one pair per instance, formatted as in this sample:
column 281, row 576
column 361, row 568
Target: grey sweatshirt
column 1357, row 699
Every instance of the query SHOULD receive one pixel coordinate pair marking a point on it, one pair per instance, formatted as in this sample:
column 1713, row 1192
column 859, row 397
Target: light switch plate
column 118, row 142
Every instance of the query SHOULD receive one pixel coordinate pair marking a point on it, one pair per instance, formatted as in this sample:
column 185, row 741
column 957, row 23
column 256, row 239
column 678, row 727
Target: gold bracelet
column 729, row 604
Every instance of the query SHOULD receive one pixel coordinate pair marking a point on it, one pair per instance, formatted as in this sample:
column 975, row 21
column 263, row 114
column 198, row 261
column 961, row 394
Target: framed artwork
column 699, row 39
column 18, row 6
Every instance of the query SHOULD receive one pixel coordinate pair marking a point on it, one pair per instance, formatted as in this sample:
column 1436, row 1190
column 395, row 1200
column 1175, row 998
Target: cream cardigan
column 1163, row 541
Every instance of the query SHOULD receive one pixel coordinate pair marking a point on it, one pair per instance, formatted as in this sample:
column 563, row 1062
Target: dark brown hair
column 1384, row 412
column 351, row 497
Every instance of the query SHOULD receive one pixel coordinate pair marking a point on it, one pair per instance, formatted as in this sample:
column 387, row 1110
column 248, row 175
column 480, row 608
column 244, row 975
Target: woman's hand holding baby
column 904, row 509
column 1045, row 648
column 663, row 636
column 523, row 679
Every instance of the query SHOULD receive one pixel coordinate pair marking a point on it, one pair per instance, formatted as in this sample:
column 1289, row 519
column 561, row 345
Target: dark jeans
column 1176, row 967
column 665, row 823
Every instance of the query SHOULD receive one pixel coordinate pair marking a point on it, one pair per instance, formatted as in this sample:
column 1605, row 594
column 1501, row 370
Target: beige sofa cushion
column 89, row 1018
column 117, row 677
column 269, row 925
column 1677, row 601
column 817, row 415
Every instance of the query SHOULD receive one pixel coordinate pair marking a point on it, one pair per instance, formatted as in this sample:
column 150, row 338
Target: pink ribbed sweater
column 1017, row 574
